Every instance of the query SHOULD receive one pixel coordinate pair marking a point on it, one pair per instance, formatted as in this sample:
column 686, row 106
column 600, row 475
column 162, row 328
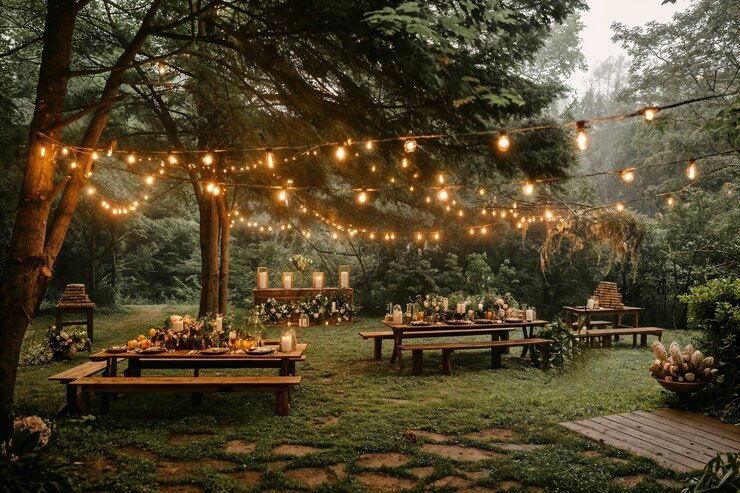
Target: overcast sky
column 596, row 36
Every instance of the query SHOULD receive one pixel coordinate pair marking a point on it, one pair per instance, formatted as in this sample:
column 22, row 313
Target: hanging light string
column 647, row 112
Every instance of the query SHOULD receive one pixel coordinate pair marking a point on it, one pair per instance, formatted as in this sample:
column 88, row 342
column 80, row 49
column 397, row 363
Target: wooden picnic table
column 186, row 359
column 497, row 331
column 581, row 312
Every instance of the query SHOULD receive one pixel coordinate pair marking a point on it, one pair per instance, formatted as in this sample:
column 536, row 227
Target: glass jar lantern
column 263, row 274
column 287, row 280
column 318, row 280
column 344, row 276
column 303, row 320
column 288, row 341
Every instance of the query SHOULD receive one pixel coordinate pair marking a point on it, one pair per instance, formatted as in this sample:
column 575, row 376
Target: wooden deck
column 676, row 440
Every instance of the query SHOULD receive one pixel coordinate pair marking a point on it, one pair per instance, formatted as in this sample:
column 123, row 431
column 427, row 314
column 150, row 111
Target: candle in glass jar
column 471, row 313
column 232, row 335
column 445, row 304
column 344, row 279
column 590, row 304
column 219, row 324
column 333, row 306
column 288, row 282
column 529, row 315
column 263, row 280
column 177, row 326
column 286, row 343
column 480, row 306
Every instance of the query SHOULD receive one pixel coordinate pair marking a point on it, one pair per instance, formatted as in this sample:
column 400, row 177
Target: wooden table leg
column 636, row 316
column 643, row 340
column 396, row 342
column 634, row 340
column 496, row 357
column 90, row 324
column 284, row 367
column 526, row 336
column 417, row 358
column 618, row 324
column 282, row 403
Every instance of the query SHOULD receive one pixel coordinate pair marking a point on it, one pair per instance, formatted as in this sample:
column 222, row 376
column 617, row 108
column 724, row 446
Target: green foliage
column 721, row 474
column 715, row 309
column 563, row 351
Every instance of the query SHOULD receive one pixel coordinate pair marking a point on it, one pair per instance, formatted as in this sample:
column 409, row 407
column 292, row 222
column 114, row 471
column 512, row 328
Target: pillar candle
column 333, row 306
column 590, row 304
column 285, row 344
column 263, row 280
column 480, row 306
column 177, row 326
column 219, row 324
column 529, row 315
column 344, row 280
column 288, row 282
column 445, row 304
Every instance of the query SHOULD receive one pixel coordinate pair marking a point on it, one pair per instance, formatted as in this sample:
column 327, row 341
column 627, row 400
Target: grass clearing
column 349, row 405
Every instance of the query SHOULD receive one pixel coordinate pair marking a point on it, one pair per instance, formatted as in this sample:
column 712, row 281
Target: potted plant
column 681, row 372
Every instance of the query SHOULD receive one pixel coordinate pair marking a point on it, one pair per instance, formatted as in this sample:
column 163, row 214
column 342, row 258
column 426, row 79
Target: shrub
column 714, row 308
column 720, row 474
column 564, row 348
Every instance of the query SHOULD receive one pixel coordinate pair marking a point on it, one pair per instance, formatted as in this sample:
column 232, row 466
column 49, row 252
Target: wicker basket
column 682, row 388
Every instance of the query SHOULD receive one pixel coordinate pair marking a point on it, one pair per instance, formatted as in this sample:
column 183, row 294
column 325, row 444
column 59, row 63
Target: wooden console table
column 295, row 294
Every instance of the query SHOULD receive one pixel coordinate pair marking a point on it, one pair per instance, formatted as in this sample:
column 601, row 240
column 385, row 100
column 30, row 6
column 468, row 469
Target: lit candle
column 445, row 304
column 333, row 306
column 529, row 315
column 232, row 335
column 590, row 304
column 320, row 280
column 219, row 325
column 286, row 343
column 288, row 281
column 480, row 306
column 344, row 279
column 177, row 326
column 263, row 280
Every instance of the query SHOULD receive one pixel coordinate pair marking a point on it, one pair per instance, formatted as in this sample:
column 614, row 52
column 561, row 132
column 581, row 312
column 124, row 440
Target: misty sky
column 596, row 36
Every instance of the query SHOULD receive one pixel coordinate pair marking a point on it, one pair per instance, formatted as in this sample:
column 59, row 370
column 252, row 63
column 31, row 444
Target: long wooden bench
column 70, row 375
column 281, row 385
column 592, row 323
column 380, row 336
column 605, row 335
column 447, row 348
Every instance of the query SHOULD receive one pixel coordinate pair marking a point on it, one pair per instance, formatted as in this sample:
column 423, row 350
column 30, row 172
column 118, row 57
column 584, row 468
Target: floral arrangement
column 197, row 333
column 65, row 344
column 676, row 366
column 318, row 307
column 29, row 433
column 502, row 306
column 301, row 264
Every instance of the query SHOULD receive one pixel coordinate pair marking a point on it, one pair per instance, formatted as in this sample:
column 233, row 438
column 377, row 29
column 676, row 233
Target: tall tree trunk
column 93, row 261
column 205, row 228
column 223, row 289
column 212, row 259
column 35, row 243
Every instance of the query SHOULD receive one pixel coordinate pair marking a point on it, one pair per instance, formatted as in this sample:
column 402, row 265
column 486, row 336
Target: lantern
column 287, row 280
column 318, row 280
column 344, row 276
column 262, row 277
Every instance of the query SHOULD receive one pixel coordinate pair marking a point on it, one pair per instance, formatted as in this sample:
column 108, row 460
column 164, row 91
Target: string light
column 404, row 163
column 95, row 155
column 628, row 175
column 283, row 196
column 443, row 195
column 65, row 151
column 216, row 190
column 620, row 206
column 502, row 141
column 150, row 180
column 441, row 179
column 409, row 145
column 528, row 188
column 369, row 145
column 691, row 170
column 670, row 201
column 582, row 139
column 90, row 190
column 649, row 113
column 436, row 235
column 209, row 187
column 208, row 159
column 73, row 164
column 131, row 158
column 42, row 151
column 340, row 153
column 362, row 197
column 270, row 159
column 172, row 159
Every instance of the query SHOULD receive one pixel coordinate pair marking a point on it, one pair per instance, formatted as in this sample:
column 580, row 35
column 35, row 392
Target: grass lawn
column 349, row 406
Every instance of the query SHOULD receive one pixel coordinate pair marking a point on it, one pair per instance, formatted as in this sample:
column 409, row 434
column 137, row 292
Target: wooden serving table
column 576, row 313
column 497, row 331
column 185, row 359
column 294, row 294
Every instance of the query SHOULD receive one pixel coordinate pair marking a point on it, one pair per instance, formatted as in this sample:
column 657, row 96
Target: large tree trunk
column 35, row 243
column 223, row 271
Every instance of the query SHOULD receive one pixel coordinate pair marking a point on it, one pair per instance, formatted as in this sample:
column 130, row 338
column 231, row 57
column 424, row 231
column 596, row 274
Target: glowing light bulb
column 460, row 213
column 90, row 190
column 131, row 159
column 472, row 231
column 548, row 214
column 270, row 159
column 73, row 164
column 172, row 159
column 208, row 159
column 282, row 196
column 436, row 235
column 692, row 171
column 150, row 180
column 362, row 197
column 373, row 168
column 502, row 141
column 528, row 188
column 419, row 237
column 441, row 179
column 65, row 151
column 42, row 151
column 409, row 145
column 209, row 187
column 443, row 195
column 95, row 155
column 334, row 236
column 481, row 192
column 582, row 139
column 628, row 175
column 670, row 201
column 340, row 153
column 369, row 145
column 483, row 230
column 649, row 113
column 404, row 163
column 620, row 207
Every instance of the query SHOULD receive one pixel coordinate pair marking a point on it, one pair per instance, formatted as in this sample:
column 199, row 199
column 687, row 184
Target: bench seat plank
column 281, row 385
column 606, row 334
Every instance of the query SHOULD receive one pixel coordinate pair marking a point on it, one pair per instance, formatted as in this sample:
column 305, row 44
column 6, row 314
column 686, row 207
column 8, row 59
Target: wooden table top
column 296, row 354
column 447, row 326
column 584, row 310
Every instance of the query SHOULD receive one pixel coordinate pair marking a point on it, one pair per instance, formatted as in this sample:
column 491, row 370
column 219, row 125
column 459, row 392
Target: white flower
column 426, row 304
column 315, row 315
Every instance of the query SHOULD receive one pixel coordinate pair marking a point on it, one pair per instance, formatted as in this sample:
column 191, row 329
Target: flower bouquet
column 301, row 264
column 65, row 344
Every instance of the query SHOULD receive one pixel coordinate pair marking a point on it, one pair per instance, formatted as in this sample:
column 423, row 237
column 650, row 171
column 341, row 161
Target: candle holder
column 287, row 280
column 263, row 277
column 344, row 276
column 318, row 280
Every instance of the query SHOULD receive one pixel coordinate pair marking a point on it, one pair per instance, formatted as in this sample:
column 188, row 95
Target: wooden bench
column 68, row 376
column 605, row 335
column 378, row 337
column 592, row 323
column 280, row 385
column 496, row 347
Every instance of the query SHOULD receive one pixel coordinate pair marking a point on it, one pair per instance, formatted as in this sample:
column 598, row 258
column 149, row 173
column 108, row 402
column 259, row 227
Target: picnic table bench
column 605, row 335
column 281, row 385
column 70, row 375
column 447, row 348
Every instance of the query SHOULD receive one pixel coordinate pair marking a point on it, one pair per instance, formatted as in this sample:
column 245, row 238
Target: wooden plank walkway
column 676, row 440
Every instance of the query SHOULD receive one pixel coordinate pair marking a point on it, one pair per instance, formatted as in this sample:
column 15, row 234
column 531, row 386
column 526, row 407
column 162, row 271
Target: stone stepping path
column 247, row 479
column 495, row 434
column 186, row 438
column 383, row 483
column 296, row 450
column 456, row 452
column 240, row 447
column 429, row 436
column 389, row 459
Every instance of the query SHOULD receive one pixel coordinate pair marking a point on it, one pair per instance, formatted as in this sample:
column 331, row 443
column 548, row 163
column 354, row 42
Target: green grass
column 342, row 381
